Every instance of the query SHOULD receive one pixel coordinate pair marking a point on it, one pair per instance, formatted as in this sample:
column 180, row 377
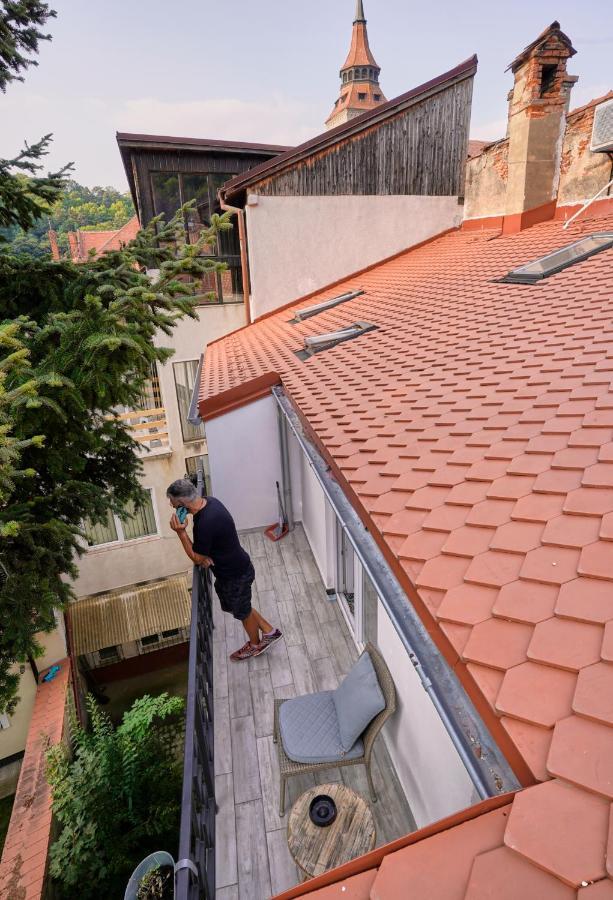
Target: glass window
column 361, row 96
column 150, row 639
column 196, row 187
column 166, row 195
column 139, row 523
column 131, row 525
column 172, row 632
column 104, row 533
column 108, row 653
column 345, row 570
column 377, row 96
column 560, row 259
column 185, row 379
column 191, row 468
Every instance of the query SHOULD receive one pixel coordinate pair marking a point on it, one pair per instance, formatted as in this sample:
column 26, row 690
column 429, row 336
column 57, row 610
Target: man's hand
column 175, row 524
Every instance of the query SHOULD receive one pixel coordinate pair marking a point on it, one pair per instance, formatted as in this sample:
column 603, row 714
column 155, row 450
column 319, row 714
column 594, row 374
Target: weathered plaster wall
column 486, row 182
column 582, row 173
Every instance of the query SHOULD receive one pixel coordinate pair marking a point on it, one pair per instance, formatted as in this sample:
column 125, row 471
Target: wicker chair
column 287, row 766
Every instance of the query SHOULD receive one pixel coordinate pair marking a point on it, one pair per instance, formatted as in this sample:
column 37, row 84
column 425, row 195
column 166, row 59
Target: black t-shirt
column 215, row 536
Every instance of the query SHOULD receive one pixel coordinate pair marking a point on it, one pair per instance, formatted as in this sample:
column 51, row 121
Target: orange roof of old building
column 473, row 431
column 103, row 241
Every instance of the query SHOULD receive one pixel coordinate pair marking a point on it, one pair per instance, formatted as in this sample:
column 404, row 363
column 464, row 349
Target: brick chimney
column 538, row 105
column 73, row 243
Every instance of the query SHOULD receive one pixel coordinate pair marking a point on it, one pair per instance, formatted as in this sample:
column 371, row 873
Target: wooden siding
column 420, row 151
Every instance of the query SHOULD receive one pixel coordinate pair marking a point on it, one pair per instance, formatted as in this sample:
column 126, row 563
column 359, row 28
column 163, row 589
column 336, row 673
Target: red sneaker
column 247, row 651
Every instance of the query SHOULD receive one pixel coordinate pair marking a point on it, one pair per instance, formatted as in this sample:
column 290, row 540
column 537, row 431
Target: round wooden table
column 316, row 849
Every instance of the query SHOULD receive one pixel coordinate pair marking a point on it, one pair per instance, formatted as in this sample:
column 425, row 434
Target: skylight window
column 309, row 311
column 548, row 265
column 319, row 342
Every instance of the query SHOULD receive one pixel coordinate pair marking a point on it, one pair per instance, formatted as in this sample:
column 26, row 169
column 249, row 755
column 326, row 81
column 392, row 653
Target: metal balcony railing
column 195, row 870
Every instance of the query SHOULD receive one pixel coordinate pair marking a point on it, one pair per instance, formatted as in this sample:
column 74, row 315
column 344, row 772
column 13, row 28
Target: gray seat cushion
column 357, row 700
column 309, row 730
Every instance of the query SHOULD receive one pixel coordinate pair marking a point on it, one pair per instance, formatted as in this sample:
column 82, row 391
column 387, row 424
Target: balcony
column 149, row 428
column 251, row 859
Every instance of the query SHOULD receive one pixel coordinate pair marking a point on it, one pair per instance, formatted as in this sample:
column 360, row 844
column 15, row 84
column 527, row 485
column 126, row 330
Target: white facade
column 122, row 563
column 434, row 780
column 301, row 244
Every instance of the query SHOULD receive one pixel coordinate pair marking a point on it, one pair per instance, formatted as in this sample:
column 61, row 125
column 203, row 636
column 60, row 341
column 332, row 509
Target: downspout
column 487, row 767
column 286, row 478
column 242, row 237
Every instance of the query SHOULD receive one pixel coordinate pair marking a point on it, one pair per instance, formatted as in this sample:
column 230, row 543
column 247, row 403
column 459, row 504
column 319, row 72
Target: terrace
column 251, row 854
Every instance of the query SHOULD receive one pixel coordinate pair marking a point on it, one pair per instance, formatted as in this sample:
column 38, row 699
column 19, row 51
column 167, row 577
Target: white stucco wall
column 245, row 462
column 314, row 516
column 300, row 244
column 13, row 739
column 431, row 773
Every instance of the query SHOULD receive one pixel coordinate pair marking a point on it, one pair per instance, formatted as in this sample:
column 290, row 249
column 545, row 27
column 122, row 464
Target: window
column 319, row 342
column 548, row 78
column 166, row 194
column 345, row 573
column 172, row 632
column 185, row 379
column 150, row 639
column 361, row 96
column 191, row 468
column 548, row 265
column 309, row 311
column 109, row 654
column 377, row 96
column 131, row 525
column 370, row 605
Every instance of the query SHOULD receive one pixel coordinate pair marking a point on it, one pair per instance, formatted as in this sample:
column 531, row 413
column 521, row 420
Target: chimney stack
column 55, row 250
column 538, row 105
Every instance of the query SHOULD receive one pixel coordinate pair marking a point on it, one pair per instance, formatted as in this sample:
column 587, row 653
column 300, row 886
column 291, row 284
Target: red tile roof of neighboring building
column 103, row 241
column 24, row 858
column 473, row 430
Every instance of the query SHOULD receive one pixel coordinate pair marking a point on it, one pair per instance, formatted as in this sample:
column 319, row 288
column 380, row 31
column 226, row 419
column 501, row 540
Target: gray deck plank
column 238, row 689
column 323, row 606
column 262, row 698
column 281, row 583
column 245, row 760
column 227, row 893
column 269, row 779
column 283, row 869
column 301, row 670
column 290, row 558
column 223, row 743
column 262, row 573
column 314, row 637
column 300, row 592
column 220, row 669
column 253, row 871
column 309, row 566
column 326, row 677
column 278, row 662
column 226, row 872
column 290, row 623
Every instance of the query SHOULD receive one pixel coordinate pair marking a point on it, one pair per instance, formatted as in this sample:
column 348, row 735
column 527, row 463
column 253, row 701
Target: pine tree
column 20, row 23
column 86, row 346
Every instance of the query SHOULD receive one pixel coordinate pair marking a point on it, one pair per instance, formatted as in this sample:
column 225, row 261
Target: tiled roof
column 24, row 858
column 474, row 432
column 360, row 53
column 102, row 241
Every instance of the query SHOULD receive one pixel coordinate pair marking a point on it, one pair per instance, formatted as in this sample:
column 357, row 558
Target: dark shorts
column 235, row 593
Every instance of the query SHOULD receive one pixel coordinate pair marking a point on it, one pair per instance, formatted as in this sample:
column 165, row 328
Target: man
column 216, row 545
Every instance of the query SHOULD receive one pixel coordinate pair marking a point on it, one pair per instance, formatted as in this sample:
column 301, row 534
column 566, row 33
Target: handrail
column 195, row 870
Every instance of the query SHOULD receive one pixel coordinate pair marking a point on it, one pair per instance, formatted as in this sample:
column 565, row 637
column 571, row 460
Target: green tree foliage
column 89, row 209
column 117, row 799
column 88, row 333
column 20, row 24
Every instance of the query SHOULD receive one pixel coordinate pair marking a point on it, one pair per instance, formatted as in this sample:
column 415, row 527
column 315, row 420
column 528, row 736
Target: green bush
column 116, row 798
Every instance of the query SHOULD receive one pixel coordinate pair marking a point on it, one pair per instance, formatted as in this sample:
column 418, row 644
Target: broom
column 281, row 528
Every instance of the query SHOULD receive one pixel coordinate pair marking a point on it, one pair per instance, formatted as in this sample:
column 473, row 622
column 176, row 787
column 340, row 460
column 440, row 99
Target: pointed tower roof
column 360, row 89
column 359, row 52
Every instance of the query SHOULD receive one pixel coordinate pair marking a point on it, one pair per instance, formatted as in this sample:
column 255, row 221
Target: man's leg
column 263, row 624
column 252, row 626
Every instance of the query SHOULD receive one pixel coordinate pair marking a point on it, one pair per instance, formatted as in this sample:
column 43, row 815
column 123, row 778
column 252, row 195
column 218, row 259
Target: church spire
column 360, row 89
column 359, row 12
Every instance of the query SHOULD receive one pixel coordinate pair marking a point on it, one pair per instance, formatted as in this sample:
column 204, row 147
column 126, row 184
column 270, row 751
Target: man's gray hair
column 182, row 489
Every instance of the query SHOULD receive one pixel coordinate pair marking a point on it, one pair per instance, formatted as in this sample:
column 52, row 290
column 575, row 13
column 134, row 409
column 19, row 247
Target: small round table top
column 316, row 849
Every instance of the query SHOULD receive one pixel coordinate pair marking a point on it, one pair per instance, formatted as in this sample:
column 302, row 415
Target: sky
column 267, row 70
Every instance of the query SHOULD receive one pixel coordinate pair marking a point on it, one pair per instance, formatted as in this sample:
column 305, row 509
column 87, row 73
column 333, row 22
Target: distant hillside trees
column 90, row 209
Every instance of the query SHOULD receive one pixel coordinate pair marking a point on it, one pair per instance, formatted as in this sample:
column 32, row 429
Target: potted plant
column 157, row 884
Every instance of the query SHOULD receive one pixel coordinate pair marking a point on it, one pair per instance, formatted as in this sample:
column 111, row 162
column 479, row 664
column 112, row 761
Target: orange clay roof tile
column 482, row 463
column 503, row 875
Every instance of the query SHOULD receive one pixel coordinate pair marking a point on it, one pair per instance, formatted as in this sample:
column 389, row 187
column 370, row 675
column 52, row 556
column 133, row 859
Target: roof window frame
column 309, row 311
column 317, row 343
column 519, row 276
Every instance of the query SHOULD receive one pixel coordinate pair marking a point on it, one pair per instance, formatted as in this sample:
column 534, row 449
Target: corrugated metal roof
column 127, row 614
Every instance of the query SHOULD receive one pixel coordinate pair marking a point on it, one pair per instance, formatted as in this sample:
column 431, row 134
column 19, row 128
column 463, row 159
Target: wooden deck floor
column 253, row 861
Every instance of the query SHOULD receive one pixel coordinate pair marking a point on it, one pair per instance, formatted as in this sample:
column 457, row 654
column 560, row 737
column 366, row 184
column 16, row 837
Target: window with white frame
column 185, row 379
column 356, row 593
column 132, row 525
